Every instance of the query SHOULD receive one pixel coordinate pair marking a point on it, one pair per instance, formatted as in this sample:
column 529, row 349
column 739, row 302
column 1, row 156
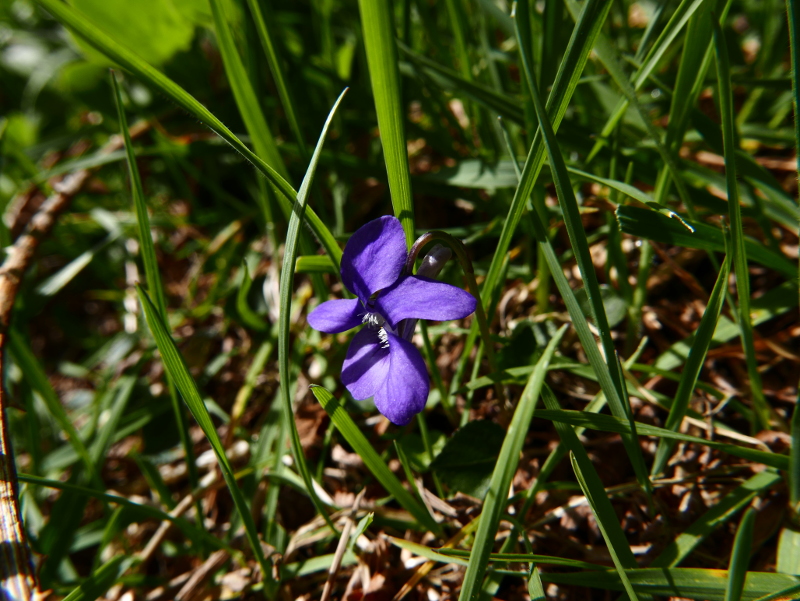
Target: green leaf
column 102, row 579
column 344, row 423
column 379, row 43
column 469, row 456
column 156, row 28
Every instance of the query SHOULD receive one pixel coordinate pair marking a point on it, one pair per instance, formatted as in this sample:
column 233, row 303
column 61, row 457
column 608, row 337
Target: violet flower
column 381, row 361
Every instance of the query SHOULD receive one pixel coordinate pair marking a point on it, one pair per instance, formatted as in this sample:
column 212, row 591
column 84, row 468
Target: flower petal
column 406, row 386
column 336, row 316
column 366, row 365
column 421, row 298
column 374, row 257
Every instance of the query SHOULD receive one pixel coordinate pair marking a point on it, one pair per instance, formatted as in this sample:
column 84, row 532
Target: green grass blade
column 794, row 459
column 762, row 410
column 179, row 372
column 497, row 496
column 78, row 24
column 153, row 278
column 249, row 317
column 740, row 557
column 244, row 94
column 345, row 424
column 691, row 371
column 381, row 49
column 284, row 320
column 102, row 579
column 609, row 378
column 605, row 516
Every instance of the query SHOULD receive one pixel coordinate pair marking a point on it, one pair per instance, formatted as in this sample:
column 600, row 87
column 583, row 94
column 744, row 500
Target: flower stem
column 466, row 265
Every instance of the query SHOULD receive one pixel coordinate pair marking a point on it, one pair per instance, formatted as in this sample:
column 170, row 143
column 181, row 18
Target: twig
column 341, row 547
column 17, row 578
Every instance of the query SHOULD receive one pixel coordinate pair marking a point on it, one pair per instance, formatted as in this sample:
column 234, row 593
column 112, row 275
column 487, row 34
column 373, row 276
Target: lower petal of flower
column 366, row 364
column 406, row 384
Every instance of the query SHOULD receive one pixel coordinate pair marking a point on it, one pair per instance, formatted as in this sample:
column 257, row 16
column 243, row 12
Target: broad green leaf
column 468, row 459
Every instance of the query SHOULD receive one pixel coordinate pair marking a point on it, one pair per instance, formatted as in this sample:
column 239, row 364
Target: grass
column 631, row 222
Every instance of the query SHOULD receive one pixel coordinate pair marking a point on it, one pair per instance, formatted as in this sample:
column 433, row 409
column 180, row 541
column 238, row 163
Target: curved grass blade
column 381, row 50
column 497, row 496
column 153, row 280
column 102, row 579
column 179, row 372
column 762, row 409
column 284, row 324
column 740, row 557
column 610, row 378
column 691, row 371
column 249, row 317
column 82, row 27
column 345, row 424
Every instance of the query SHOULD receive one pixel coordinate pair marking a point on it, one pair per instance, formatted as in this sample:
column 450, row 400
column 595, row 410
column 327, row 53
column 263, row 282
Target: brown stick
column 17, row 577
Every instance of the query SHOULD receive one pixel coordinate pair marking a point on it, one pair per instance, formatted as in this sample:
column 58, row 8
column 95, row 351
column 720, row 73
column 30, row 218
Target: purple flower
column 381, row 362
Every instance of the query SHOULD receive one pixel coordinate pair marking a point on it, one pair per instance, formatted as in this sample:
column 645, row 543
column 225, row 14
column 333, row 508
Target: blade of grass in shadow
column 738, row 251
column 496, row 498
column 595, row 493
column 381, row 49
column 605, row 517
column 153, row 280
column 244, row 94
column 611, row 375
column 345, row 424
column 284, row 319
column 277, row 74
column 179, row 372
column 691, row 370
column 76, row 22
column 587, row 28
column 740, row 557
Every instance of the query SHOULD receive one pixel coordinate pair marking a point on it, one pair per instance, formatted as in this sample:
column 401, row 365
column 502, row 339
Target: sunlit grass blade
column 179, row 372
column 345, row 424
column 605, row 516
column 496, row 498
column 609, row 378
column 691, row 371
column 738, row 250
column 78, row 24
column 731, row 504
column 152, row 276
column 740, row 557
column 685, row 583
column 285, row 313
column 381, row 49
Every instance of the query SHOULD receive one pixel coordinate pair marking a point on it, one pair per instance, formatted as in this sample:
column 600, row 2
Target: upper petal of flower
column 366, row 365
column 374, row 257
column 406, row 385
column 421, row 298
column 336, row 316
